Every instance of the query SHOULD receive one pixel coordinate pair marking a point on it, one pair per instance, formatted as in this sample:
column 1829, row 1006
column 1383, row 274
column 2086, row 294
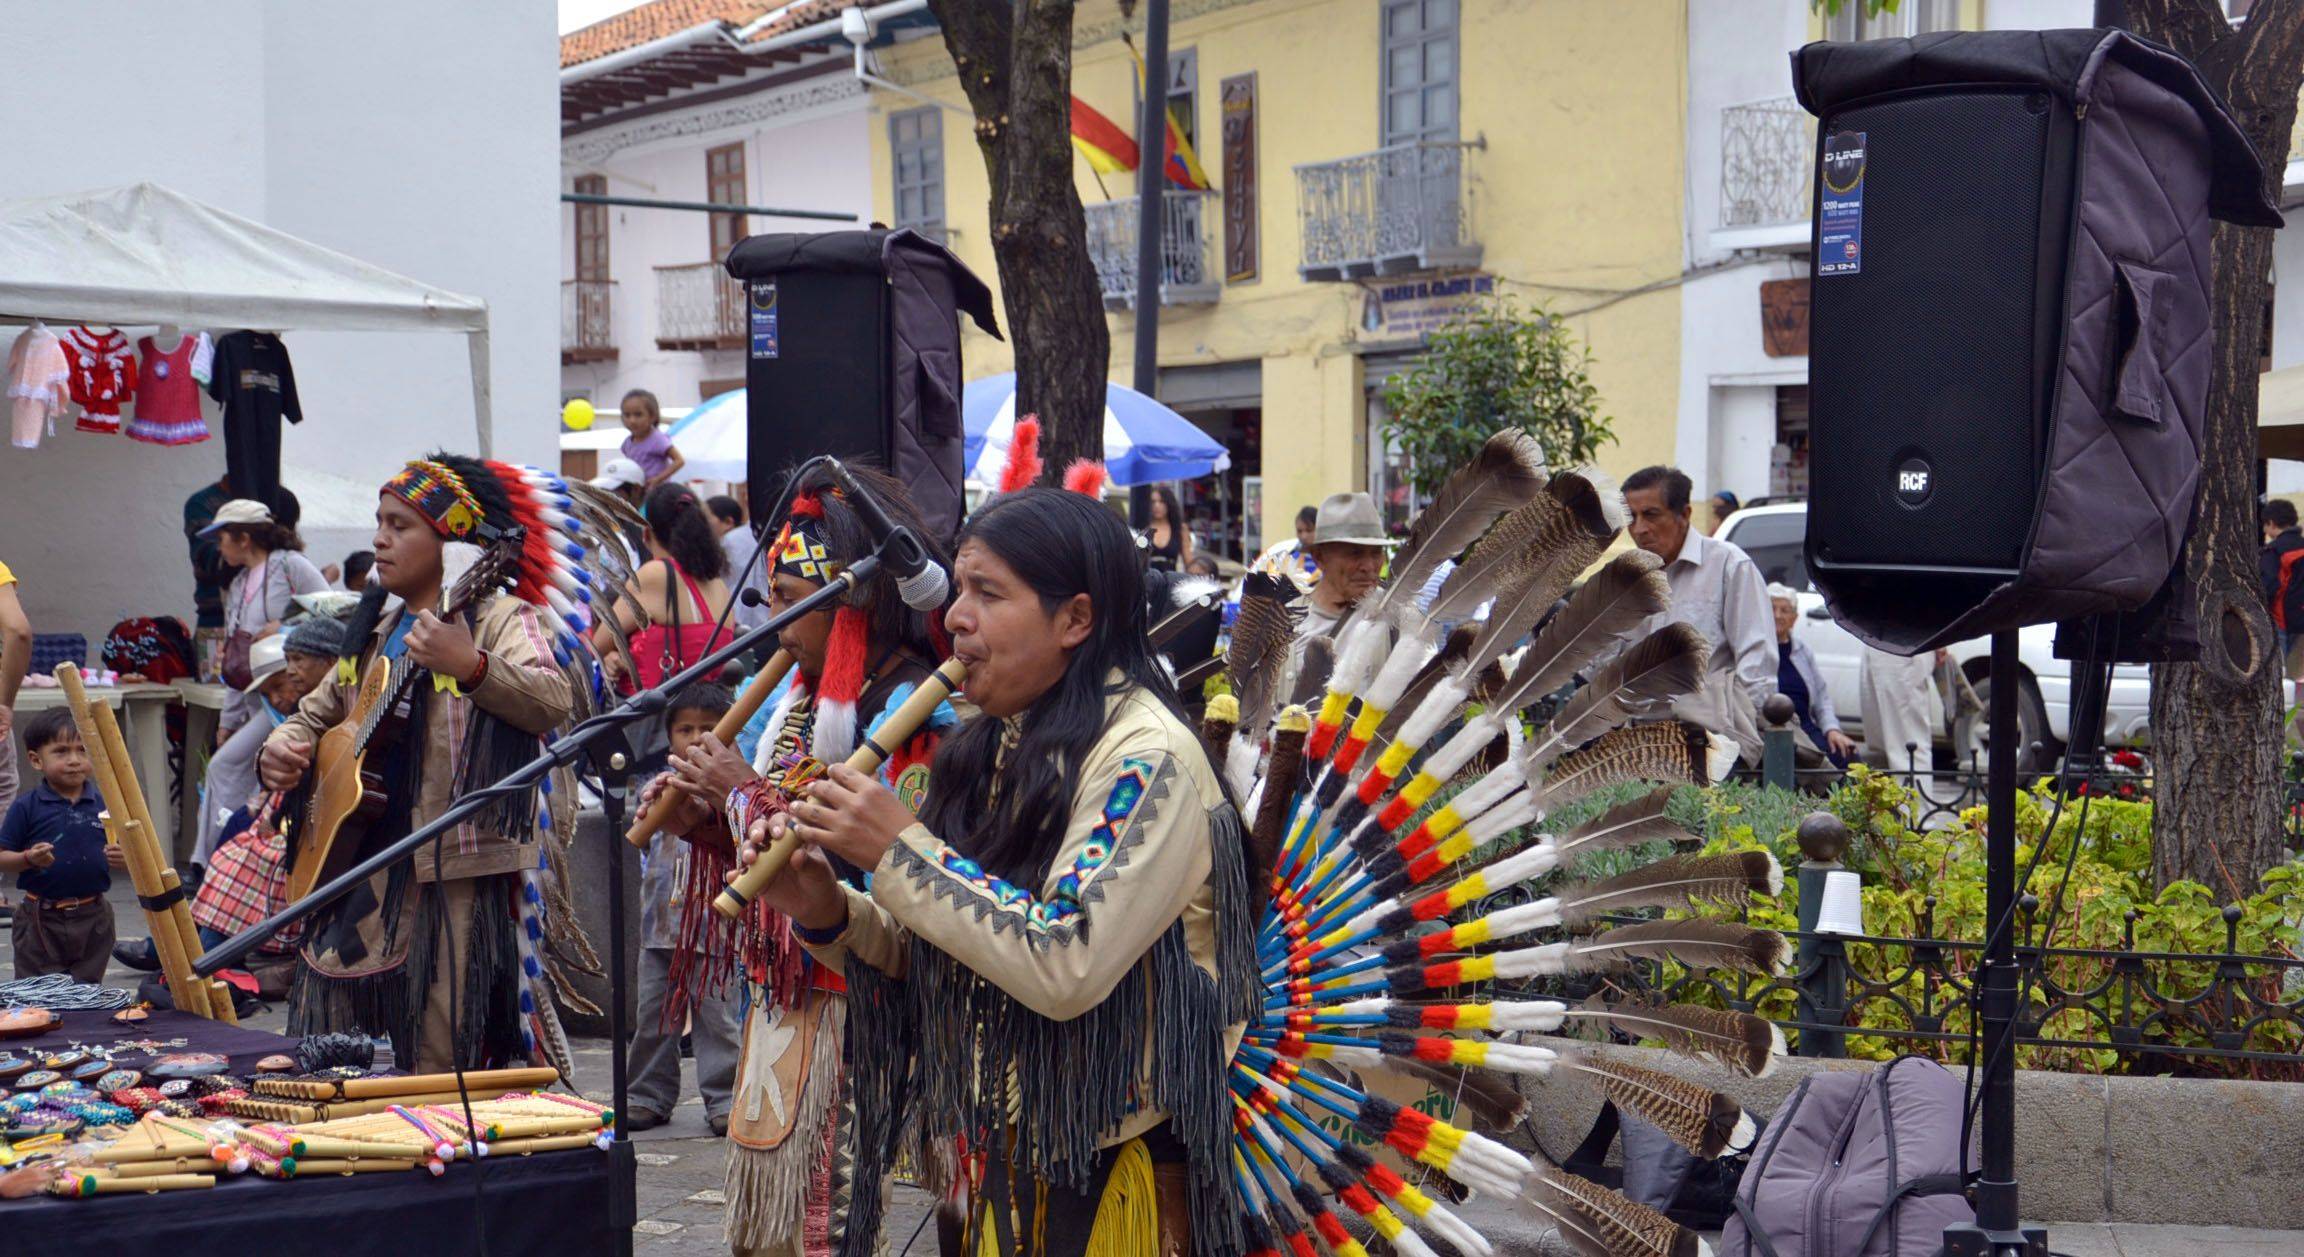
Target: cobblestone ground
column 681, row 1167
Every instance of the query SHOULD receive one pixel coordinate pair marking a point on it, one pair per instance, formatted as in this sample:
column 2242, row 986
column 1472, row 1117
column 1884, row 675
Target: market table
column 544, row 1203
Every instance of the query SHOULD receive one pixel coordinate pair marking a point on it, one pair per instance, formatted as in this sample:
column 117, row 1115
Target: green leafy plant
column 1930, row 886
column 1495, row 366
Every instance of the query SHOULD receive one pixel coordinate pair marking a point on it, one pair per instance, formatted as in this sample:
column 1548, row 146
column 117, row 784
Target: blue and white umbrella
column 1144, row 441
column 714, row 440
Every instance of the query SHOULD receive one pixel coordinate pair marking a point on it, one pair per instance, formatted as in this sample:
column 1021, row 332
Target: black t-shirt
column 254, row 383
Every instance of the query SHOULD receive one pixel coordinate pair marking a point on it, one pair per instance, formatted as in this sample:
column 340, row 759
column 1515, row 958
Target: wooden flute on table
column 894, row 732
column 731, row 723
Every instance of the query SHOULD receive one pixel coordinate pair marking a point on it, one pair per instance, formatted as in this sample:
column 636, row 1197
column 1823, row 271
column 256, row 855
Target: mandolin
column 348, row 792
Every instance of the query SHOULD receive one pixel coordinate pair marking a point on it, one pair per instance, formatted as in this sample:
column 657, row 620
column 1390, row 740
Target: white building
column 659, row 103
column 1743, row 394
column 415, row 136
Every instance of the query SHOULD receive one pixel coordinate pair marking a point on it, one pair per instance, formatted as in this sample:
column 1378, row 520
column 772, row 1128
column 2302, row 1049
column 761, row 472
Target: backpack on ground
column 1856, row 1165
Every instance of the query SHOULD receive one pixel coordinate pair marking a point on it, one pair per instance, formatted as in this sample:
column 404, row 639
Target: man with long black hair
column 853, row 666
column 1054, row 959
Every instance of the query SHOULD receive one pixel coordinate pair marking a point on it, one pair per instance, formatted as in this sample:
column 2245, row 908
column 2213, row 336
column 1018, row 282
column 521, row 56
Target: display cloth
column 555, row 1203
column 143, row 255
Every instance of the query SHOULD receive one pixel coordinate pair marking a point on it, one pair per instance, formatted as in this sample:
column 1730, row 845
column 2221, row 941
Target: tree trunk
column 1015, row 63
column 2216, row 723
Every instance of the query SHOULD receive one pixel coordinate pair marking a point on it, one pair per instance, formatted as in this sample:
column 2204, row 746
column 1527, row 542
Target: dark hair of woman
column 1061, row 544
column 678, row 521
column 1167, row 498
column 727, row 509
column 269, row 537
column 893, row 623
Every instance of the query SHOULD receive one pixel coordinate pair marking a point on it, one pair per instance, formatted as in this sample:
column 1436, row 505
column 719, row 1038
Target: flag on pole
column 1179, row 162
column 1107, row 147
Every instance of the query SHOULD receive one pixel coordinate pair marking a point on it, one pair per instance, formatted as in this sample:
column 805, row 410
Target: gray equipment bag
column 1856, row 1165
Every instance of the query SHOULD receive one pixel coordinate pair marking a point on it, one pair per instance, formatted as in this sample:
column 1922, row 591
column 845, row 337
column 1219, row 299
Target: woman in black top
column 1169, row 542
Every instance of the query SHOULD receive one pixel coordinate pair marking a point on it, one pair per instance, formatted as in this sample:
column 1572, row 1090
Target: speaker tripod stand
column 1998, row 1230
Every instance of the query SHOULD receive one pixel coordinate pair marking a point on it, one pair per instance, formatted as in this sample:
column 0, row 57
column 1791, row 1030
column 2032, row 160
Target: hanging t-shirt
column 255, row 385
column 103, row 375
column 168, row 390
column 38, row 377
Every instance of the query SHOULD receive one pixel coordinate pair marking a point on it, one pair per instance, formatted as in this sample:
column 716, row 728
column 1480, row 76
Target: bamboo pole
column 119, row 818
column 214, row 994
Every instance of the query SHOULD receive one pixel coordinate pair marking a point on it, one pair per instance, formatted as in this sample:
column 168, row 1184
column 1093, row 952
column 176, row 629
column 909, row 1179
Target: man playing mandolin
column 446, row 684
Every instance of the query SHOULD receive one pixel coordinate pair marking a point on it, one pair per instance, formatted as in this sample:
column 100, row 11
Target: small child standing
column 649, row 444
column 716, row 1028
column 53, row 840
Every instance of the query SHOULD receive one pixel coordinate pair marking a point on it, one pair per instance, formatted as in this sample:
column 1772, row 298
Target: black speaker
column 852, row 348
column 1941, row 223
column 815, row 373
column 2009, row 342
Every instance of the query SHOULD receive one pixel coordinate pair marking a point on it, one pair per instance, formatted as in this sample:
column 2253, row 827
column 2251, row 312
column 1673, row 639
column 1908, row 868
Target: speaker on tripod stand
column 2009, row 360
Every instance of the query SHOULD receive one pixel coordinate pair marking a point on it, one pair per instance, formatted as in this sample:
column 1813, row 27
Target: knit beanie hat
column 317, row 636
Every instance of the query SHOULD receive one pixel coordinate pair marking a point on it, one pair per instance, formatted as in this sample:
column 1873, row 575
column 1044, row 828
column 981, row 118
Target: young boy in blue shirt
column 53, row 841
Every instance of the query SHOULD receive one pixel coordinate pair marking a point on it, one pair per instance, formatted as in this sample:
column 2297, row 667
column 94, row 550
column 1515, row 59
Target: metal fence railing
column 698, row 307
column 1403, row 208
column 585, row 327
column 1187, row 247
column 1767, row 152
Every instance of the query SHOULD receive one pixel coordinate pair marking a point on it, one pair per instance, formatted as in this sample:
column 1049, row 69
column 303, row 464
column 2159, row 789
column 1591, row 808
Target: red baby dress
column 168, row 387
column 103, row 375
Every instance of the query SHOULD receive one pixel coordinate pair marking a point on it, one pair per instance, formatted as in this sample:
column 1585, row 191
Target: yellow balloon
column 577, row 414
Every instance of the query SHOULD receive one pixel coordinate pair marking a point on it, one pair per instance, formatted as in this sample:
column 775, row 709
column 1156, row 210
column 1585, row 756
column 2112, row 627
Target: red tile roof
column 657, row 19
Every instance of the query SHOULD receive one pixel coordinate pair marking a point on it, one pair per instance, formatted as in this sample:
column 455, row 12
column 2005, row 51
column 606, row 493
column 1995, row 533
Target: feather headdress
column 1405, row 826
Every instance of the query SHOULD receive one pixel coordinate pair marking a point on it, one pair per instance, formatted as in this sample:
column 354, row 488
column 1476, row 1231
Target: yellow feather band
column 1418, row 789
column 1394, row 758
column 1332, row 708
column 1464, row 892
column 1444, row 822
column 1364, row 725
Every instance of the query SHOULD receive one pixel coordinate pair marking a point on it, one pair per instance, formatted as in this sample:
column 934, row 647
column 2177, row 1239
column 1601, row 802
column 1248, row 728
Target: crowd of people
column 951, row 889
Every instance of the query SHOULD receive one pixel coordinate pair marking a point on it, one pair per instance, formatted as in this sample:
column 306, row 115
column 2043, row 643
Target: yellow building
column 1400, row 155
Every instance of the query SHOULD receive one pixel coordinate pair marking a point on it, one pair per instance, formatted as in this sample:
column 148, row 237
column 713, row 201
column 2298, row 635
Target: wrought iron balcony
column 698, row 307
column 1187, row 248
column 1767, row 158
column 1398, row 209
column 585, row 332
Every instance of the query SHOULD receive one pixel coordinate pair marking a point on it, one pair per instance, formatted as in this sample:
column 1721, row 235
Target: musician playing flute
column 789, row 1180
column 429, row 952
column 1053, row 960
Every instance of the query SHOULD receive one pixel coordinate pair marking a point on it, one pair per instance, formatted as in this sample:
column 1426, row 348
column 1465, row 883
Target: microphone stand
column 600, row 743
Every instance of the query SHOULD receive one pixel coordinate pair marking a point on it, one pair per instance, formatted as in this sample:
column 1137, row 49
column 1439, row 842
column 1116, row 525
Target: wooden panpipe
column 894, row 732
column 128, row 824
column 732, row 722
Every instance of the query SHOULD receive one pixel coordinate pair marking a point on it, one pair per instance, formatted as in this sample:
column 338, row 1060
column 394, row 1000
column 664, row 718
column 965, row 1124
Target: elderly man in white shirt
column 1718, row 591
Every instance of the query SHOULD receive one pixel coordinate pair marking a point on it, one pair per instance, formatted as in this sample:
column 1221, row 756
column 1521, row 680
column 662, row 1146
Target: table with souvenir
column 155, row 1127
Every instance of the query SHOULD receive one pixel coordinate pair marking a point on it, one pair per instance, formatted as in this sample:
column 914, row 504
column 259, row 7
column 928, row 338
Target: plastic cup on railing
column 1843, row 909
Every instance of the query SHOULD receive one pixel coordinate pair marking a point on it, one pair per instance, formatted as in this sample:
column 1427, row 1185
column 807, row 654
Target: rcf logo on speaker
column 1915, row 479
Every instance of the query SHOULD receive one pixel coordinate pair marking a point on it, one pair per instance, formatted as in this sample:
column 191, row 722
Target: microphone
column 920, row 581
column 752, row 597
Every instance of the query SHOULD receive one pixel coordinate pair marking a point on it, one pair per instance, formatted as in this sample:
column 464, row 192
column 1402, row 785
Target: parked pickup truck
column 1774, row 535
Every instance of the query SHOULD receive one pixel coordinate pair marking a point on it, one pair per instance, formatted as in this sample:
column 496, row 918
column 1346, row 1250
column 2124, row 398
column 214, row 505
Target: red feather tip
column 1023, row 467
column 1086, row 476
column 806, row 505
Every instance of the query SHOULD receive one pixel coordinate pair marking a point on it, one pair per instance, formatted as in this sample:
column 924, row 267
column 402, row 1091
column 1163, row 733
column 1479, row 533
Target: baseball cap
column 238, row 511
column 619, row 473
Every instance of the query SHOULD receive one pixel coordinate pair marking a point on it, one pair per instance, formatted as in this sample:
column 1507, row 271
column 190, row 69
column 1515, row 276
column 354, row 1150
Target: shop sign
column 1237, row 96
column 1411, row 309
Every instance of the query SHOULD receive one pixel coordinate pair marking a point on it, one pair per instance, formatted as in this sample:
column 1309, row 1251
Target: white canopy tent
column 142, row 255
